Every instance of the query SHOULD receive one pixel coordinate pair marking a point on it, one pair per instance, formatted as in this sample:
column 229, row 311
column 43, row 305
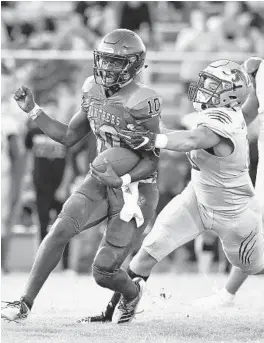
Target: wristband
column 161, row 141
column 35, row 112
column 126, row 180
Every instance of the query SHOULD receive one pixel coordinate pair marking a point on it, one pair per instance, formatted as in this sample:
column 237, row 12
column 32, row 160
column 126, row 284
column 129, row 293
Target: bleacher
column 163, row 72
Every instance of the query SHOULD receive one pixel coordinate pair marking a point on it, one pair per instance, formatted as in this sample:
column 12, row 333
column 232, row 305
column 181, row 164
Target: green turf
column 66, row 298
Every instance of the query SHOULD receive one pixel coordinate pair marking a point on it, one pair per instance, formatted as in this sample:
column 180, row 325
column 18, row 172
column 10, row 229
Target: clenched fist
column 24, row 98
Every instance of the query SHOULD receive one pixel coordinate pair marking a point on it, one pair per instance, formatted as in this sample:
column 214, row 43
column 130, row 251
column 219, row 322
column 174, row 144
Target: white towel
column 131, row 208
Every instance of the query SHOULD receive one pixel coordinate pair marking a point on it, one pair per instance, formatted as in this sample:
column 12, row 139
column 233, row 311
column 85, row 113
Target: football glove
column 139, row 140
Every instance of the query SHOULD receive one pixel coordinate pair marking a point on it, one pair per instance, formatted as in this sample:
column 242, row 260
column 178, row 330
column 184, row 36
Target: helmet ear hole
column 215, row 101
column 126, row 76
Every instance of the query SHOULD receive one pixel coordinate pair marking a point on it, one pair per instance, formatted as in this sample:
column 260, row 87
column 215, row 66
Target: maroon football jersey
column 128, row 108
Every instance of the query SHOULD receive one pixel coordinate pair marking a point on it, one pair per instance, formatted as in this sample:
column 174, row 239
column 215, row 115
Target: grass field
column 65, row 298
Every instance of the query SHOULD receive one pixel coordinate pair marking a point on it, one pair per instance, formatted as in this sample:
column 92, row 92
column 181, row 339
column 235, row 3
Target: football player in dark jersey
column 113, row 100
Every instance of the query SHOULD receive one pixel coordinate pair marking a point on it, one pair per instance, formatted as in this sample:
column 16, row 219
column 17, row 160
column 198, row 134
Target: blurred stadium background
column 48, row 45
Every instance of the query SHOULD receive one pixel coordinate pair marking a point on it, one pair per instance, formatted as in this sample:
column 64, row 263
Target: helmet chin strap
column 115, row 88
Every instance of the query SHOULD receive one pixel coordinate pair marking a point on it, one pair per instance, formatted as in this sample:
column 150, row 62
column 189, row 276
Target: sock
column 235, row 280
column 112, row 304
column 28, row 302
column 133, row 275
column 116, row 296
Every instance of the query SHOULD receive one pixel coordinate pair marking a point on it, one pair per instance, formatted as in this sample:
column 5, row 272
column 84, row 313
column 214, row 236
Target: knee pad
column 72, row 210
column 104, row 266
column 83, row 212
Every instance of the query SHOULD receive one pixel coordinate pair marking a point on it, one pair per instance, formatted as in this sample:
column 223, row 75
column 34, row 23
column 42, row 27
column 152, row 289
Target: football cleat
column 104, row 317
column 220, row 299
column 15, row 311
column 125, row 311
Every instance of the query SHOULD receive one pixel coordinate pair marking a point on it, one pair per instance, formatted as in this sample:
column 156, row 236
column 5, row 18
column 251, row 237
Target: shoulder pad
column 144, row 103
column 223, row 122
column 88, row 83
column 220, row 115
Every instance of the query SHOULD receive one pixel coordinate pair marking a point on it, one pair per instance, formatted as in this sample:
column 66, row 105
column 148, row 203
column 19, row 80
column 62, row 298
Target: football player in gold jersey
column 253, row 111
column 220, row 196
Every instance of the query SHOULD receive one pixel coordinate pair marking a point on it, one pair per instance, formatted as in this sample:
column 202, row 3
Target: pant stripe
column 244, row 246
column 250, row 252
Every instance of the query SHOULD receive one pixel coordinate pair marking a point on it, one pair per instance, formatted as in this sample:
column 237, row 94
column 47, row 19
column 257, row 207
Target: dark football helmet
column 120, row 56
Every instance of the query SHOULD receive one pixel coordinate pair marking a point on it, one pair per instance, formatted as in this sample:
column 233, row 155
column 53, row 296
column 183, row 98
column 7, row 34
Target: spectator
column 11, row 163
column 48, row 174
column 237, row 29
column 101, row 17
column 74, row 35
column 5, row 38
column 137, row 16
column 195, row 38
column 44, row 34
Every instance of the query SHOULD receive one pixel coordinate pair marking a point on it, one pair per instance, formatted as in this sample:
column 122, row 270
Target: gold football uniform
column 219, row 197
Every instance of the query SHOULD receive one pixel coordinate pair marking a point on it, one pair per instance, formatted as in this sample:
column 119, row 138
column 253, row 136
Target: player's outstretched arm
column 149, row 157
column 184, row 141
column 67, row 135
column 179, row 140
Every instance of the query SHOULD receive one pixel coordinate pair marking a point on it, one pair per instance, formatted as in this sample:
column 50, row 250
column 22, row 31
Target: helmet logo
column 131, row 127
column 106, row 49
column 235, row 75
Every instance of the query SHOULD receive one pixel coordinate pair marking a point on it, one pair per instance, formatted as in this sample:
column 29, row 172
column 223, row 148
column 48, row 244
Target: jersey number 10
column 153, row 106
column 109, row 136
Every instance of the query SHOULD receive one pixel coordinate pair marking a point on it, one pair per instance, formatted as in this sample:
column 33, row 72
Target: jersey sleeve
column 144, row 105
column 220, row 122
column 87, row 85
column 86, row 90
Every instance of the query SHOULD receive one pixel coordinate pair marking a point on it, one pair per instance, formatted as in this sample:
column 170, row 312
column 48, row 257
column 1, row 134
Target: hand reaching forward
column 138, row 139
